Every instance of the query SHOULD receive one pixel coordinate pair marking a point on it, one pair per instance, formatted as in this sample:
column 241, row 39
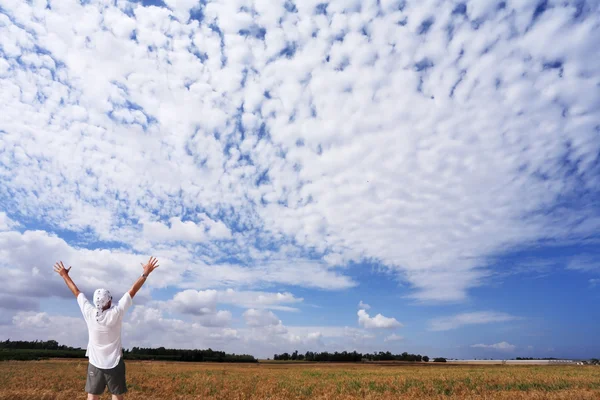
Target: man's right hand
column 150, row 266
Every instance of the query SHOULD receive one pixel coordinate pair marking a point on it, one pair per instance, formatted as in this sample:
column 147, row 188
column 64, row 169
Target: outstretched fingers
column 153, row 263
column 59, row 267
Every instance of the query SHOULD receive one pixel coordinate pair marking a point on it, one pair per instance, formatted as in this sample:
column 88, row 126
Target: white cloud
column 503, row 346
column 262, row 337
column 258, row 299
column 216, row 319
column 255, row 317
column 363, row 306
column 312, row 274
column 226, row 333
column 145, row 326
column 29, row 325
column 251, row 158
column 195, row 302
column 393, row 338
column 472, row 318
column 28, row 257
column 584, row 264
column 376, row 322
column 6, row 223
column 149, row 327
column 186, row 230
column 201, row 302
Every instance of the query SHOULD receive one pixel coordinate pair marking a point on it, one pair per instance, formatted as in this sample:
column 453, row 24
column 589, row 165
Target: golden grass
column 65, row 379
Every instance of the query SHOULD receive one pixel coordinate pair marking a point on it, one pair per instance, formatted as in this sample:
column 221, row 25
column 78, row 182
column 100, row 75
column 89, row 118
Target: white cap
column 101, row 298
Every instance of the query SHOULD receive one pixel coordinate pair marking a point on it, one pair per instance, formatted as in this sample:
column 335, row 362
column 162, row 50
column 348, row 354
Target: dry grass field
column 65, row 379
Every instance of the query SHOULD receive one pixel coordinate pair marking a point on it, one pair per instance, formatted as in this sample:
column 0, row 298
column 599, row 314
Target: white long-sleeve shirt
column 104, row 348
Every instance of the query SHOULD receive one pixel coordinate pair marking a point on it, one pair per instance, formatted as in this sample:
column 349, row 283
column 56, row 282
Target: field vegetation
column 65, row 379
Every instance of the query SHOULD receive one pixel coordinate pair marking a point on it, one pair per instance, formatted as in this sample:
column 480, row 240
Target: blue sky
column 370, row 175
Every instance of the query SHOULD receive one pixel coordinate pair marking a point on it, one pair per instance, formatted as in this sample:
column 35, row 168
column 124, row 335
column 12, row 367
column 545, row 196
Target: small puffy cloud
column 502, row 346
column 201, row 304
column 256, row 317
column 473, row 318
column 177, row 231
column 363, row 306
column 195, row 302
column 376, row 322
column 186, row 231
column 594, row 282
column 226, row 333
column 215, row 229
column 393, row 338
column 314, row 336
column 217, row 319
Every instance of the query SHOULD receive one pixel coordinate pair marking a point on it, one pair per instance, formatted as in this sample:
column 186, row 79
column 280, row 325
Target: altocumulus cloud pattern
column 266, row 144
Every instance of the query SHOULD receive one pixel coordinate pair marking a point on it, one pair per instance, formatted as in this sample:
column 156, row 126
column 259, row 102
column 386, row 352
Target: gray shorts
column 98, row 379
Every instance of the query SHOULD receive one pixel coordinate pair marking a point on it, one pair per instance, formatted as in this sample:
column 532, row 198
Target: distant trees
column 282, row 357
column 161, row 353
column 38, row 349
column 346, row 356
column 425, row 358
column 25, row 350
column 439, row 359
column 34, row 345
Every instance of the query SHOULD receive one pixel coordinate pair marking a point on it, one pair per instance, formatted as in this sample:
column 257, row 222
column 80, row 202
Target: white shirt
column 104, row 348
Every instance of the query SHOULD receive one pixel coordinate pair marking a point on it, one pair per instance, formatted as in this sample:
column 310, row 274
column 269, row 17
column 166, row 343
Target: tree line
column 35, row 345
column 354, row 356
column 36, row 350
column 208, row 355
